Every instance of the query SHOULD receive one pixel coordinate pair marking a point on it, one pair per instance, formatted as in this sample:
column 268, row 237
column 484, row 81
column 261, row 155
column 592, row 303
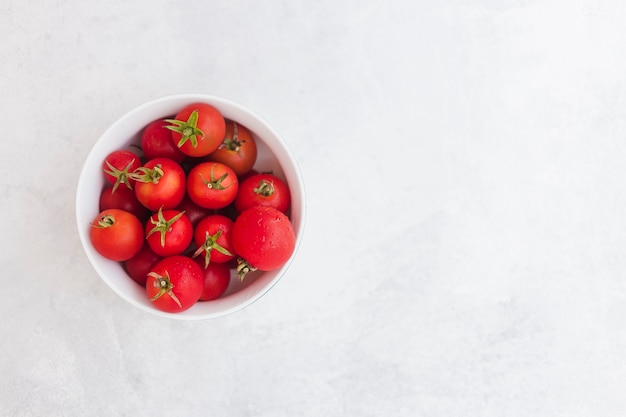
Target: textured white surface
column 465, row 238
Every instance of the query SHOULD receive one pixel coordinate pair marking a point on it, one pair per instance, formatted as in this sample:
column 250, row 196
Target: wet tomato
column 175, row 284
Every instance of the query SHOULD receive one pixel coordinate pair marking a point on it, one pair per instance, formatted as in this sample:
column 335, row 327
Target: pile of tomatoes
column 186, row 207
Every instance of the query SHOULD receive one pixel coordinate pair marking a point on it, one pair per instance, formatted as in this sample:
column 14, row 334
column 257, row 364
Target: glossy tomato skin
column 168, row 236
column 117, row 165
column 165, row 192
column 179, row 286
column 212, row 185
column 216, row 280
column 123, row 198
column 116, row 234
column 264, row 237
column 156, row 142
column 266, row 190
column 213, row 234
column 212, row 124
column 238, row 149
column 139, row 265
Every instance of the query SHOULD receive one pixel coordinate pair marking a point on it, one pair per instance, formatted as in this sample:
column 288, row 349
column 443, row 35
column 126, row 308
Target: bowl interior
column 273, row 155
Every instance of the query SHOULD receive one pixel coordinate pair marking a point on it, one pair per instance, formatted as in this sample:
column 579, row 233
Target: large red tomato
column 139, row 265
column 156, row 142
column 123, row 198
column 175, row 284
column 116, row 234
column 238, row 149
column 212, row 237
column 169, row 232
column 160, row 183
column 216, row 280
column 212, row 185
column 263, row 190
column 198, row 129
column 117, row 167
column 263, row 238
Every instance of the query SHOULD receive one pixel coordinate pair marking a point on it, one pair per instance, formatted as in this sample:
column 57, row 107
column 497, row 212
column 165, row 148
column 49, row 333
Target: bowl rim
column 285, row 156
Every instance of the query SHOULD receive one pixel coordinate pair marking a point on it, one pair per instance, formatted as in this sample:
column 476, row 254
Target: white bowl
column 273, row 155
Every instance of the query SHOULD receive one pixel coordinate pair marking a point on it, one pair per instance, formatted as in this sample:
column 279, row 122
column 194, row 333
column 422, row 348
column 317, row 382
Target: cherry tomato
column 156, row 142
column 116, row 234
column 212, row 185
column 212, row 236
column 169, row 232
column 263, row 238
column 263, row 190
column 194, row 212
column 123, row 198
column 118, row 165
column 160, row 183
column 175, row 284
column 198, row 129
column 238, row 149
column 216, row 280
column 139, row 265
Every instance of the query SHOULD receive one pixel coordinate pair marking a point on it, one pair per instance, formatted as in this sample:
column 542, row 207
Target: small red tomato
column 212, row 185
column 238, row 149
column 263, row 238
column 194, row 212
column 156, row 142
column 216, row 280
column 212, row 236
column 198, row 129
column 160, row 183
column 175, row 284
column 169, row 232
column 116, row 234
column 123, row 198
column 265, row 190
column 118, row 165
column 139, row 265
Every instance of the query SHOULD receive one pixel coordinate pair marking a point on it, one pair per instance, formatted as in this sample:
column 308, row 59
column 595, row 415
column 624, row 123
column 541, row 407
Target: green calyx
column 243, row 268
column 210, row 244
column 104, row 222
column 233, row 144
column 215, row 183
column 188, row 130
column 122, row 176
column 162, row 226
column 265, row 188
column 147, row 175
column 165, row 286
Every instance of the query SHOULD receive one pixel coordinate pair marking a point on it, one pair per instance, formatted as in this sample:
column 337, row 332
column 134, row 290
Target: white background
column 464, row 249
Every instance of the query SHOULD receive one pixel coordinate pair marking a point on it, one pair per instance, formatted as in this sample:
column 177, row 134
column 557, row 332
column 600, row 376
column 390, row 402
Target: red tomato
column 238, row 149
column 160, row 184
column 198, row 129
column 139, row 265
column 175, row 284
column 116, row 234
column 212, row 185
column 123, row 198
column 169, row 232
column 117, row 167
column 156, row 142
column 213, row 238
column 263, row 190
column 216, row 280
column 194, row 212
column 264, row 238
